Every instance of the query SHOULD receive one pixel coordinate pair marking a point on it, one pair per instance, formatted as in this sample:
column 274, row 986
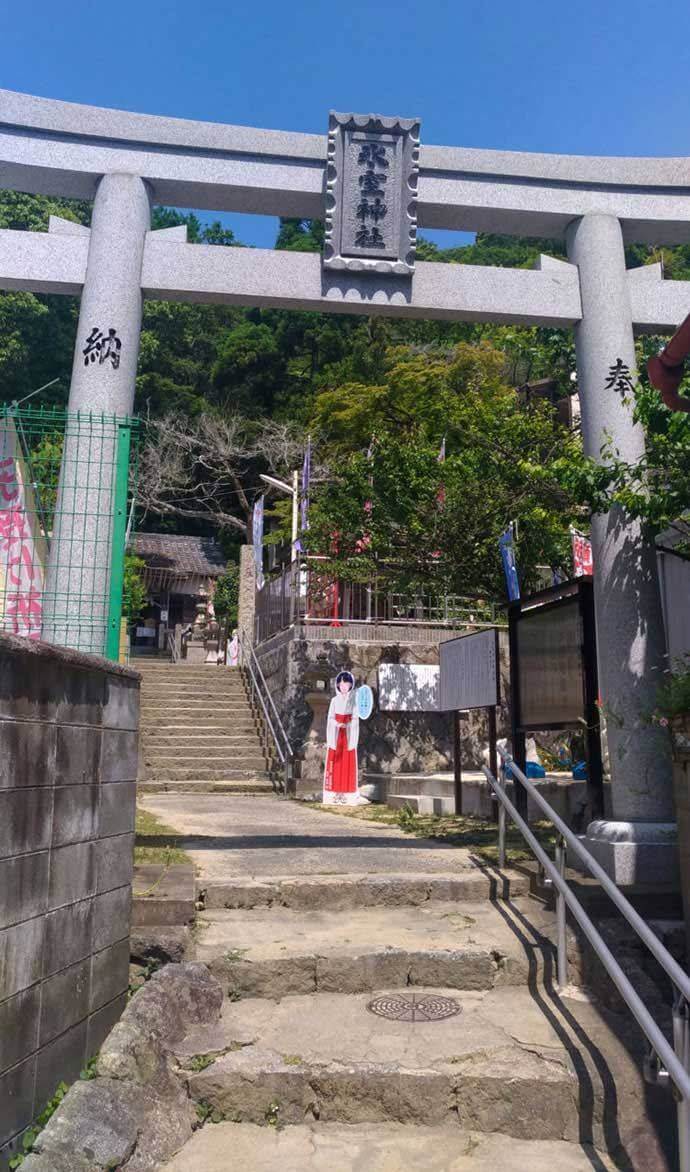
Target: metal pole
column 295, row 515
column 117, row 547
column 562, row 963
column 502, row 830
column 681, row 1045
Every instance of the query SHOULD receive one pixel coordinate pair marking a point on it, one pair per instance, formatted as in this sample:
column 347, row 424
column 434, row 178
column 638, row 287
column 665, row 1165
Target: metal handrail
column 173, row 647
column 666, row 1061
column 284, row 751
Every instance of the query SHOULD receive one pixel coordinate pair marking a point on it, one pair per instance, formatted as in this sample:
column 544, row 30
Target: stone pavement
column 309, row 918
column 229, row 837
column 375, row 1147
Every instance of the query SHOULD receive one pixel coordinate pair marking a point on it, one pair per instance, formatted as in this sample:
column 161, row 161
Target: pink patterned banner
column 22, row 545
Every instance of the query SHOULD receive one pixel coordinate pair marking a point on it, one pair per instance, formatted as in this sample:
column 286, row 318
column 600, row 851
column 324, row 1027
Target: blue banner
column 507, row 548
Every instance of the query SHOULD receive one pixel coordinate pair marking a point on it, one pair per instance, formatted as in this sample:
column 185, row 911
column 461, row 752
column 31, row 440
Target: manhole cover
column 426, row 1008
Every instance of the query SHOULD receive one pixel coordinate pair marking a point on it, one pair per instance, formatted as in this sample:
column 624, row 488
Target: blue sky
column 588, row 77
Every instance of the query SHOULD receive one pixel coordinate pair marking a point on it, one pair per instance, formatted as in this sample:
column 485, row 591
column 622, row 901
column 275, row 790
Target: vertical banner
column 441, row 459
column 583, row 562
column 23, row 546
column 258, row 539
column 306, row 481
column 507, row 547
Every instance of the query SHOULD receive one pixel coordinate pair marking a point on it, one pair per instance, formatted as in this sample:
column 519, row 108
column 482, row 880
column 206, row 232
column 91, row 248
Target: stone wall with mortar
column 390, row 742
column 68, row 764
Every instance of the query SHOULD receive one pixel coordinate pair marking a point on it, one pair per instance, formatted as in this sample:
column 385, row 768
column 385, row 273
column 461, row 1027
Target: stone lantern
column 317, row 680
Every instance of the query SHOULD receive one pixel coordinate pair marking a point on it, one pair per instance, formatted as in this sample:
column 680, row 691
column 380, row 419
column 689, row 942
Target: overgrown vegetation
column 474, row 834
column 674, row 695
column 31, row 1135
column 154, row 842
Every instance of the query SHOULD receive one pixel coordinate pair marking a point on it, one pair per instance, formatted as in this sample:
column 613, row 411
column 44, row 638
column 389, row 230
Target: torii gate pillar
column 637, row 844
column 76, row 600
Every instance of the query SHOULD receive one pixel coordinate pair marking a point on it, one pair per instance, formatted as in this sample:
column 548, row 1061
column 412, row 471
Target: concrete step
column 167, row 667
column 347, row 891
column 243, row 757
column 203, row 692
column 184, row 751
column 192, row 697
column 200, row 717
column 163, row 894
column 377, row 1147
column 195, row 769
column 422, row 803
column 496, row 1066
column 193, row 709
column 194, row 742
column 275, row 951
column 231, row 731
column 240, row 786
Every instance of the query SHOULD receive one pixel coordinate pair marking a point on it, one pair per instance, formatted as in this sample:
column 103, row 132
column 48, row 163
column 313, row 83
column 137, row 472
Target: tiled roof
column 179, row 554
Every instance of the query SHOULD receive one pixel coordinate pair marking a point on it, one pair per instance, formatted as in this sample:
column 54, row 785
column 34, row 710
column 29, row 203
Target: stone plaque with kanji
column 371, row 193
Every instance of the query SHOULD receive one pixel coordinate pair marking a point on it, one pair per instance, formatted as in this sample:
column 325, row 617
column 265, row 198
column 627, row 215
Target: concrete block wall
column 68, row 766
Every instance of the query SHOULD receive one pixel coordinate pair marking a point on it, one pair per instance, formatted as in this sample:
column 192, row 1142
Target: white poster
column 409, row 687
column 23, row 547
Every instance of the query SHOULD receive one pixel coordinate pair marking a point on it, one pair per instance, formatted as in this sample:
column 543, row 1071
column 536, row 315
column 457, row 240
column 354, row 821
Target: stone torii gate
column 373, row 183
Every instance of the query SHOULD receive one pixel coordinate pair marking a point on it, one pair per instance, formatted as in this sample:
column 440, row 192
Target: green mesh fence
column 67, row 483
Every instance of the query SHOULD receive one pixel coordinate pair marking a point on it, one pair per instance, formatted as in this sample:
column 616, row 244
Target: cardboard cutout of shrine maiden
column 342, row 738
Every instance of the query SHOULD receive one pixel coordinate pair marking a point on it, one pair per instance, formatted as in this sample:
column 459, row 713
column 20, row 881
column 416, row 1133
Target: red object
column 582, row 556
column 666, row 370
column 341, row 762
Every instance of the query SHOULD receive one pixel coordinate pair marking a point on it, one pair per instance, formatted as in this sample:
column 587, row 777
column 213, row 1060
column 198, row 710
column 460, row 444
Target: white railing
column 667, row 1063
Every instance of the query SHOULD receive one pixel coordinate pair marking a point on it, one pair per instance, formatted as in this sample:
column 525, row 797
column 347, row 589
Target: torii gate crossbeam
column 124, row 162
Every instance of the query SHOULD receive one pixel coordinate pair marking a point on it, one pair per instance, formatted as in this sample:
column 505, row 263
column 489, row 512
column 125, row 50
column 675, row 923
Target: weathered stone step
column 197, row 771
column 159, row 717
column 230, row 728
column 377, row 1147
column 336, row 892
column 271, row 952
column 202, row 692
column 253, row 759
column 187, row 742
column 193, row 700
column 326, row 1056
column 237, row 785
column 212, row 712
column 163, row 894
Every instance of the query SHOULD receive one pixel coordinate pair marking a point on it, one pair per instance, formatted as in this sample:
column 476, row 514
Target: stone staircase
column 316, row 1064
column 199, row 732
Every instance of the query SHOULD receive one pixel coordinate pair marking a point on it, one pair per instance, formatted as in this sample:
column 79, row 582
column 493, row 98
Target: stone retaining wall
column 390, row 742
column 68, row 764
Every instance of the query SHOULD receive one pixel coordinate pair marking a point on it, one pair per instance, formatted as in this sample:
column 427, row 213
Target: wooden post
column 518, row 736
column 457, row 762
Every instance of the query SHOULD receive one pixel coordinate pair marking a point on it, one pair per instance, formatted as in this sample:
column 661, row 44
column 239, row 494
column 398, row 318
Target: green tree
column 134, row 591
column 227, row 593
column 414, row 521
column 300, row 235
column 249, row 370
